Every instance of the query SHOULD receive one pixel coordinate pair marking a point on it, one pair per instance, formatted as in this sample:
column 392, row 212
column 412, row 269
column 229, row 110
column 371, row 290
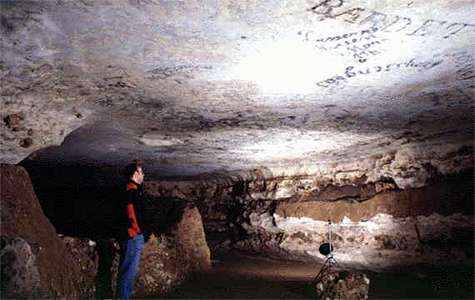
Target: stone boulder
column 168, row 258
column 29, row 235
column 20, row 276
column 342, row 285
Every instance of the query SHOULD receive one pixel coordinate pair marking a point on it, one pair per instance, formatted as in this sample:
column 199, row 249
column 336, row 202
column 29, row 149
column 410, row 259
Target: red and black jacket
column 131, row 210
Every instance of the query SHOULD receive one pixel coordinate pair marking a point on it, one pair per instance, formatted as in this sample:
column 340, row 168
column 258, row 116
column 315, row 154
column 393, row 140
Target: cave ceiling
column 192, row 87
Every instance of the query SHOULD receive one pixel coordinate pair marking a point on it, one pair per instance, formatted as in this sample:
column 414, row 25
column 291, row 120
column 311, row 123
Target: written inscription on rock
column 345, row 11
column 360, row 44
column 352, row 71
column 464, row 64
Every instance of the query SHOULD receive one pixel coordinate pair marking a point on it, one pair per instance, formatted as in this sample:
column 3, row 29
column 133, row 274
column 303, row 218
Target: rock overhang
column 294, row 87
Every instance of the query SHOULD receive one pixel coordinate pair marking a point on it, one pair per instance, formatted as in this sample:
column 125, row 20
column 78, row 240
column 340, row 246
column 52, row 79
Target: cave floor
column 241, row 276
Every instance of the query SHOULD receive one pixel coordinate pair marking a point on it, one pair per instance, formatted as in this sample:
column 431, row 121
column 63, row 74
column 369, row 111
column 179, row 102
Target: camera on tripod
column 326, row 249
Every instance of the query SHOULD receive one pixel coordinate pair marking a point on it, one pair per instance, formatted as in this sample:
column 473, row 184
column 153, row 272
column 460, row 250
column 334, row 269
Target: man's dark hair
column 130, row 169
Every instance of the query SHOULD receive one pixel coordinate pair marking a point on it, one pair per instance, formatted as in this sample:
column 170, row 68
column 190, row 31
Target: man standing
column 131, row 239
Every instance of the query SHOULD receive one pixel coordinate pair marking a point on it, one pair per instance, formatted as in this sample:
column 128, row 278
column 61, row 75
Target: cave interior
column 270, row 117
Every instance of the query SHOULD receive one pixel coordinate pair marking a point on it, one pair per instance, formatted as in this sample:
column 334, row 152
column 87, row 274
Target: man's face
column 138, row 175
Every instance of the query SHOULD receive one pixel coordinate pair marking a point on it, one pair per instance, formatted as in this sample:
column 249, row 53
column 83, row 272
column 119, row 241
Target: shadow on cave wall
column 82, row 200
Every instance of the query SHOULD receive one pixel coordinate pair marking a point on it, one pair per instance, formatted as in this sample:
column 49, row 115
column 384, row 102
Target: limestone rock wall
column 381, row 226
column 377, row 243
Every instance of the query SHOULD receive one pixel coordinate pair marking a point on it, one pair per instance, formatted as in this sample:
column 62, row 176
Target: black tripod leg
column 324, row 268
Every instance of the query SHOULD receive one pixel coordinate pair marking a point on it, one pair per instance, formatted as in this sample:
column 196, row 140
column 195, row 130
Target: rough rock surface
column 20, row 277
column 447, row 196
column 334, row 89
column 431, row 225
column 84, row 255
column 377, row 243
column 34, row 236
column 377, row 226
column 169, row 258
column 342, row 285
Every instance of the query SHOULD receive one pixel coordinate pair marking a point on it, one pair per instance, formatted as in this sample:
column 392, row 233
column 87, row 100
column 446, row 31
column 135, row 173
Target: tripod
column 327, row 250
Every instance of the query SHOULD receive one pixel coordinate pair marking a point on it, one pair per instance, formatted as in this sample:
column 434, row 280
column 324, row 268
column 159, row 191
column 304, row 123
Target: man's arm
column 134, row 228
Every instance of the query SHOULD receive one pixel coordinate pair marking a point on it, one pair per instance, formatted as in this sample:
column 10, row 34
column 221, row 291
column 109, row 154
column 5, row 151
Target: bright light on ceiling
column 285, row 67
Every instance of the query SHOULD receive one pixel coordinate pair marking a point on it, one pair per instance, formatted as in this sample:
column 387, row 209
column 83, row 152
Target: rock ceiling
column 341, row 87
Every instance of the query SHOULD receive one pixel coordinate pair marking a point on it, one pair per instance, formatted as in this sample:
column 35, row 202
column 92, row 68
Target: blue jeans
column 130, row 251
